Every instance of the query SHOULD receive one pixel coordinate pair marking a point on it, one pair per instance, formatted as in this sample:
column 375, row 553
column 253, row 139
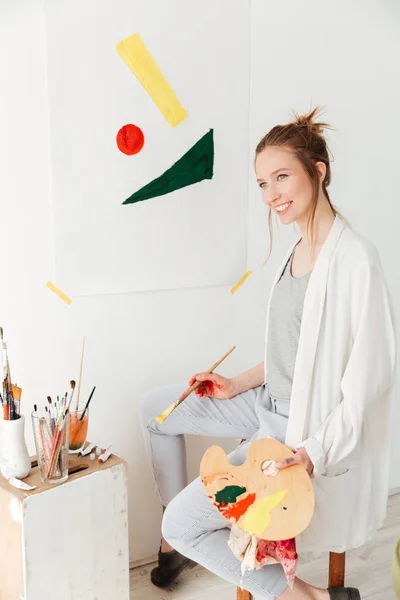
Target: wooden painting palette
column 272, row 507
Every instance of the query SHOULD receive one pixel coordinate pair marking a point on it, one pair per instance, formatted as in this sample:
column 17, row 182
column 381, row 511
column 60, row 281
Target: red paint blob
column 239, row 508
column 284, row 550
column 207, row 388
column 130, row 139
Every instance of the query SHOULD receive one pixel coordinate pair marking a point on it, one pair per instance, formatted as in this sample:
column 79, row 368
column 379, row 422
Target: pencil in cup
column 45, row 439
column 164, row 415
column 58, row 436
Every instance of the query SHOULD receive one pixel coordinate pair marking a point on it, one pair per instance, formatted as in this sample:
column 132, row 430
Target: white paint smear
column 15, row 510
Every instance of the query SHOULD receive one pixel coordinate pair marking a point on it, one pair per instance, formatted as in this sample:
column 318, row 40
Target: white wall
column 136, row 341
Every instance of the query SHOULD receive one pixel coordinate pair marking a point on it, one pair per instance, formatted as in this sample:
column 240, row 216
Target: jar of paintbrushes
column 51, row 434
column 15, row 460
column 60, row 428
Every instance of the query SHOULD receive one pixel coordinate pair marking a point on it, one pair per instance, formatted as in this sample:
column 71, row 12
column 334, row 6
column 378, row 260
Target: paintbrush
column 87, row 403
column 161, row 418
column 61, row 416
column 57, row 434
column 4, row 376
column 52, row 417
column 69, row 400
column 7, row 386
column 16, row 392
column 56, row 445
column 80, row 377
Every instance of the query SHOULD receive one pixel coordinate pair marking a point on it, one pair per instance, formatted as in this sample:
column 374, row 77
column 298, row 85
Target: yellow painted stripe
column 240, row 282
column 136, row 56
column 59, row 293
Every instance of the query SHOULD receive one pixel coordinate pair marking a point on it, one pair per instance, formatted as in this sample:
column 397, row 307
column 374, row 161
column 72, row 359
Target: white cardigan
column 343, row 390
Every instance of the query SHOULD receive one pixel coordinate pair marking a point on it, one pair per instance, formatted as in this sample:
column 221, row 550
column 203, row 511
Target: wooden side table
column 67, row 541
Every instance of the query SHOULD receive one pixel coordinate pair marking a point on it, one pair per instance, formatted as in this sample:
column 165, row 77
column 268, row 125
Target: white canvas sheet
column 193, row 237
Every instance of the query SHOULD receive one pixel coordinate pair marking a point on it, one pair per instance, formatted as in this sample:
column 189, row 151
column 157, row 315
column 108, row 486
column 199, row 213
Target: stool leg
column 243, row 594
column 337, row 563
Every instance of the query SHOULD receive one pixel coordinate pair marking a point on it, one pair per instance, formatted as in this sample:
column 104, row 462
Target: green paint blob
column 230, row 493
column 194, row 166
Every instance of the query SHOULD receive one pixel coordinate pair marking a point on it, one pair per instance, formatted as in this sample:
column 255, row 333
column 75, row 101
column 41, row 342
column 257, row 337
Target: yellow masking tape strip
column 59, row 293
column 136, row 56
column 240, row 282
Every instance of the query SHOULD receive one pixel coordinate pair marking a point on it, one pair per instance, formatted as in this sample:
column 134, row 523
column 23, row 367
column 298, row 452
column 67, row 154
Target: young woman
column 325, row 387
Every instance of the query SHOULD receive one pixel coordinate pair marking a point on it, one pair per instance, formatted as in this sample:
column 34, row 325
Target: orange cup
column 78, row 429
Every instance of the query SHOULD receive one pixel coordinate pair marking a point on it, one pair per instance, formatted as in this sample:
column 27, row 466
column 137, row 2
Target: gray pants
column 191, row 524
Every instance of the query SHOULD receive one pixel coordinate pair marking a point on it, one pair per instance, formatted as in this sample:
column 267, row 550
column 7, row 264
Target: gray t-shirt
column 286, row 310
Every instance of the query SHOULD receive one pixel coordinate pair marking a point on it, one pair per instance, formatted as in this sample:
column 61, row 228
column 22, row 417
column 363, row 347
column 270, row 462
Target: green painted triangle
column 194, row 166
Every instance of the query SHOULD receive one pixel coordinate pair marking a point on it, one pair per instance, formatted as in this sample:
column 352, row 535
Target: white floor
column 367, row 568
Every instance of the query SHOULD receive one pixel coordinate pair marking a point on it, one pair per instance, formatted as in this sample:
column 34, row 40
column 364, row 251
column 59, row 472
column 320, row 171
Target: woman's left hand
column 300, row 457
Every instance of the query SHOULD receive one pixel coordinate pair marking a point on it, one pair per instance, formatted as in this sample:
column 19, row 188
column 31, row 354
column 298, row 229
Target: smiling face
column 285, row 185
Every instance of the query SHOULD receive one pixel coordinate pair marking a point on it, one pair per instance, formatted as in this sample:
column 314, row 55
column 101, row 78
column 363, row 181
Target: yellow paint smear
column 136, row 56
column 240, row 282
column 59, row 293
column 258, row 516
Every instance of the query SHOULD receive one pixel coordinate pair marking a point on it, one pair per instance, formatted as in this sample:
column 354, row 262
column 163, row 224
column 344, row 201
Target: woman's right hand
column 214, row 386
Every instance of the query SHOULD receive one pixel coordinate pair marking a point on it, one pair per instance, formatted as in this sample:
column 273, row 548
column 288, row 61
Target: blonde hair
column 304, row 137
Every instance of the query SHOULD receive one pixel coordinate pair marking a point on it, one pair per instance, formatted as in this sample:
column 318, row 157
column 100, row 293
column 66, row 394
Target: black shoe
column 170, row 564
column 344, row 593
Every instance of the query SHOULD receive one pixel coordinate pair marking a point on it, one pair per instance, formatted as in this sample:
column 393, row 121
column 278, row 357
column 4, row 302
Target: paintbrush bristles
column 161, row 418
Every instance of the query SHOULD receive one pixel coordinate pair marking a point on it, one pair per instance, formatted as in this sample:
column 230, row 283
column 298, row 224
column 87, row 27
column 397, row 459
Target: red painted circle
column 130, row 139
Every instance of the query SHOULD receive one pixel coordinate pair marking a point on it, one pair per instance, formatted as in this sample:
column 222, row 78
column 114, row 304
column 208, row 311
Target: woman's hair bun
column 308, row 122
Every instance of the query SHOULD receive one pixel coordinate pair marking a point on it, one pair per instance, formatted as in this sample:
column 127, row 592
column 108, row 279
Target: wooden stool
column 336, row 574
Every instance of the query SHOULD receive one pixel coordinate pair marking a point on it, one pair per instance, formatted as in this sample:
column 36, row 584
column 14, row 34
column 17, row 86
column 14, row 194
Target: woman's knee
column 149, row 405
column 189, row 516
